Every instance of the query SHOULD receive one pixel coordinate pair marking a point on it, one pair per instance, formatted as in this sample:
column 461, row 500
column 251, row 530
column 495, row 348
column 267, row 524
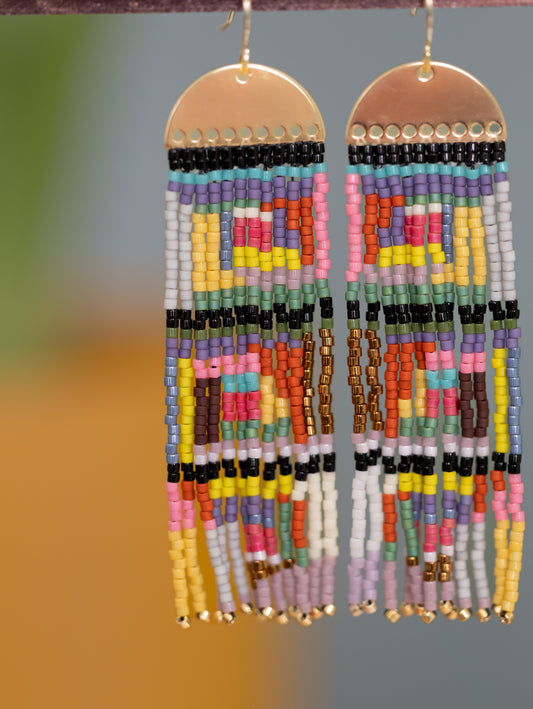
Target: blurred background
column 87, row 612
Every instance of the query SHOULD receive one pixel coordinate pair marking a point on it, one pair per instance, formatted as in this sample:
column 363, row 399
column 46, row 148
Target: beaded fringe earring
column 427, row 167
column 244, row 203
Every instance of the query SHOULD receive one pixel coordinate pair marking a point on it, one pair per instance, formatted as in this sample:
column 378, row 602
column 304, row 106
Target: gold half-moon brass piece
column 224, row 108
column 402, row 106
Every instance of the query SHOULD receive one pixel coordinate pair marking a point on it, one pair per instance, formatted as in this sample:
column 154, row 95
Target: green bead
column 353, row 324
column 172, row 331
column 327, row 323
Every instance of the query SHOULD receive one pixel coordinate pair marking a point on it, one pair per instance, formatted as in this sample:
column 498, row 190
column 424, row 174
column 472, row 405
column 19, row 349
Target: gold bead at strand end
column 392, row 614
column 445, row 607
column 204, row 616
column 266, row 613
column 496, row 607
column 356, row 610
column 184, row 622
column 281, row 618
column 483, row 615
column 407, row 609
column 316, row 613
column 506, row 617
column 370, row 607
column 419, row 609
column 453, row 614
column 247, row 608
column 330, row 609
column 293, row 611
column 217, row 616
column 304, row 619
column 228, row 618
column 465, row 614
column 428, row 616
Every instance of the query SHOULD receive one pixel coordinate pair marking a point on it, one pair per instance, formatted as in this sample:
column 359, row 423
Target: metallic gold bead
column 316, row 613
column 247, row 608
column 281, row 618
column 429, row 576
column 228, row 618
column 266, row 613
column 393, row 614
column 293, row 611
column 465, row 614
column 356, row 609
column 453, row 614
column 370, row 607
column 429, row 616
column 443, row 559
column 412, row 561
column 447, row 568
column 443, row 576
column 184, row 622
column 330, row 609
column 445, row 607
column 419, row 609
column 407, row 609
column 304, row 619
column 431, row 566
column 497, row 608
column 217, row 616
column 483, row 615
column 507, row 617
column 204, row 616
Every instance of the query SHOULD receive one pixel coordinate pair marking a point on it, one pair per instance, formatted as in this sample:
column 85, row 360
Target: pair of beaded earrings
column 247, row 246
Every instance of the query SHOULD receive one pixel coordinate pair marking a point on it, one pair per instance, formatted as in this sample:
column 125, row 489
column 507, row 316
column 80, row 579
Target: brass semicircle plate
column 399, row 107
column 221, row 108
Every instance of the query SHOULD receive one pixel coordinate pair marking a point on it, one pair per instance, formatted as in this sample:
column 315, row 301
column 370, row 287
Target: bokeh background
column 86, row 607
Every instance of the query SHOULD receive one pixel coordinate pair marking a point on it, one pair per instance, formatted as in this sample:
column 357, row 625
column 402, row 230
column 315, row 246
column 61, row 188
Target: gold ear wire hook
column 425, row 73
column 245, row 49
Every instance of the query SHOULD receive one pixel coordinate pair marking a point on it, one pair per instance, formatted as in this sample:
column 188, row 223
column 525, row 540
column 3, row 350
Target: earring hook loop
column 425, row 72
column 245, row 48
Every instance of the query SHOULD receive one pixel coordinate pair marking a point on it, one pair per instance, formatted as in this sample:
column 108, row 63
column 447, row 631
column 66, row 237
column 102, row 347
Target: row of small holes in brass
column 246, row 133
column 425, row 130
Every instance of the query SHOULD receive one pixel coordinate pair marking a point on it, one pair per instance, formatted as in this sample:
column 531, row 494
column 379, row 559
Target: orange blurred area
column 87, row 610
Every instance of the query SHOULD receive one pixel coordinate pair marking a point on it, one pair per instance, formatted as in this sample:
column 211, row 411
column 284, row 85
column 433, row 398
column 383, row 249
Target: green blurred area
column 36, row 57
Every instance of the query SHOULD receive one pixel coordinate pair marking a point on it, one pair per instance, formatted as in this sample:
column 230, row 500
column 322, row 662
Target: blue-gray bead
column 169, row 381
column 173, row 459
column 171, row 361
column 171, row 371
column 171, row 419
column 173, row 391
column 173, row 430
column 173, row 410
column 514, row 430
column 171, row 400
column 171, row 448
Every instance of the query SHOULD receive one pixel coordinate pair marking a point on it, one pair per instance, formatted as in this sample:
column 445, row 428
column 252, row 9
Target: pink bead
column 319, row 177
column 174, row 489
column 351, row 277
column 174, row 526
column 500, row 515
column 174, row 510
column 519, row 516
column 321, row 273
column 352, row 178
column 478, row 517
column 513, row 508
column 210, row 524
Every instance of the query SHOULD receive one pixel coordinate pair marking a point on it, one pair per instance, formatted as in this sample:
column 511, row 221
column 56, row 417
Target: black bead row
column 245, row 156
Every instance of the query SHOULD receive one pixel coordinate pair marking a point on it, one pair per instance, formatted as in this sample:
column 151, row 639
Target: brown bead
column 429, row 576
